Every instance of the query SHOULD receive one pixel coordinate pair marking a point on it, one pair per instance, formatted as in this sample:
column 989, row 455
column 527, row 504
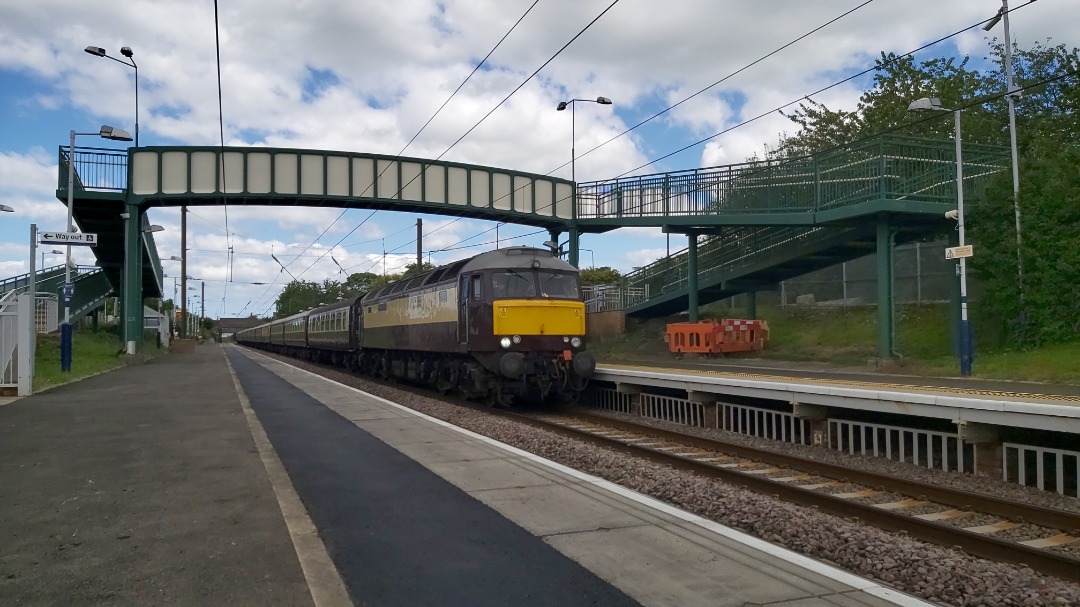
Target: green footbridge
column 748, row 226
column 92, row 288
column 751, row 226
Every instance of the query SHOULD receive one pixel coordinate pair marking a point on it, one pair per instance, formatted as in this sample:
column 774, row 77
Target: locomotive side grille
column 538, row 317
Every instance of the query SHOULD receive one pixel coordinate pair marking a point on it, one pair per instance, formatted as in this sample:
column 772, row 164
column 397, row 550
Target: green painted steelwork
column 885, row 319
column 92, row 287
column 889, row 173
column 693, row 290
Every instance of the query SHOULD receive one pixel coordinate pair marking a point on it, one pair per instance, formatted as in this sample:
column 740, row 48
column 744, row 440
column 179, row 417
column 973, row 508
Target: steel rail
column 984, row 546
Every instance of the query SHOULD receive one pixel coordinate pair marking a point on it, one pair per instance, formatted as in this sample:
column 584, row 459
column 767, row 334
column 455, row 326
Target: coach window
column 477, row 288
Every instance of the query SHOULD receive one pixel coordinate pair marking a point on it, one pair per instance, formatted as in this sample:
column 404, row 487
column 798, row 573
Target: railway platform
column 226, row 477
column 963, row 401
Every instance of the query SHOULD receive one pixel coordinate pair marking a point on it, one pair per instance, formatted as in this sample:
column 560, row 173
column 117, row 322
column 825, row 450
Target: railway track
column 924, row 511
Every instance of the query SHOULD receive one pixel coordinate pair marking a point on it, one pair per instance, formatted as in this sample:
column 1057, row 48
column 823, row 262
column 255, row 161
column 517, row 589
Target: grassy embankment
column 847, row 338
column 92, row 352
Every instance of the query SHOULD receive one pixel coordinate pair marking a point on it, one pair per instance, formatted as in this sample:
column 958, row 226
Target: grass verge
column 92, row 352
column 847, row 338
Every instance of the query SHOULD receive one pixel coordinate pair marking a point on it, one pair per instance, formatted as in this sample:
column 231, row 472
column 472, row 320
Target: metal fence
column 9, row 339
column 1042, row 467
column 923, row 448
column 605, row 298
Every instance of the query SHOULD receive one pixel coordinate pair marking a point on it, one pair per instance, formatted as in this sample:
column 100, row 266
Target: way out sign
column 70, row 238
column 958, row 252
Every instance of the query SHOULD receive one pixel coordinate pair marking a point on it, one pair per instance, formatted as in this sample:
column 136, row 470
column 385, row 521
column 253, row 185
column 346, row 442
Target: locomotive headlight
column 517, row 339
column 575, row 341
column 565, row 339
column 505, row 342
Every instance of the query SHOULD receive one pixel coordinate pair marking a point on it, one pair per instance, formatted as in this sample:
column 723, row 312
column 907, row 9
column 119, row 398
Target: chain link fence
column 921, row 275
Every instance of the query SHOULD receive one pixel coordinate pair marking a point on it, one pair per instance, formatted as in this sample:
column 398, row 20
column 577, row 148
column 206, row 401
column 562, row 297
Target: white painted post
column 26, row 350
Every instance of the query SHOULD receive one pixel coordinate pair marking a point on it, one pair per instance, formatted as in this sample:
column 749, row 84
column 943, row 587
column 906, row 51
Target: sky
column 366, row 75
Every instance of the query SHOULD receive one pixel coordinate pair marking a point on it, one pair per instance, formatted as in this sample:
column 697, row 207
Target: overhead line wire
column 722, row 80
column 802, row 98
column 221, row 154
column 725, row 78
column 460, row 86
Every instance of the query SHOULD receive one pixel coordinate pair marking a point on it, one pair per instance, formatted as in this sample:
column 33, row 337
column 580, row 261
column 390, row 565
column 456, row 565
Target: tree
column 413, row 269
column 898, row 81
column 600, row 276
column 1047, row 121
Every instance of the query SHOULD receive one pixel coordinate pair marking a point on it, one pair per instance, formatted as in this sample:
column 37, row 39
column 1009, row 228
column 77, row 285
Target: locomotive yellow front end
column 538, row 322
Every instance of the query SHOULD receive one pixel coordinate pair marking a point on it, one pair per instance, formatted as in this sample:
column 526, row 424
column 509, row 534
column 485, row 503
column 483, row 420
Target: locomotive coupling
column 584, row 364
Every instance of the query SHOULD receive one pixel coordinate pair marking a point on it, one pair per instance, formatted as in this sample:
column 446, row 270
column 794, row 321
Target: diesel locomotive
column 496, row 326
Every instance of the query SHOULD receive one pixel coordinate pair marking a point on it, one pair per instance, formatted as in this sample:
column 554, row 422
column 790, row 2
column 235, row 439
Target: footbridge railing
column 885, row 168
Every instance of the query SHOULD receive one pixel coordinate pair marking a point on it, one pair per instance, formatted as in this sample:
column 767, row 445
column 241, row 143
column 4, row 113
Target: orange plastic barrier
column 717, row 337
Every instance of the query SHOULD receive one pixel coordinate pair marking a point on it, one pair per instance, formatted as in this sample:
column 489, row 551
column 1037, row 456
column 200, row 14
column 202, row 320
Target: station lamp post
column 570, row 104
column 52, row 252
column 126, row 51
column 573, row 256
column 934, row 104
column 106, row 132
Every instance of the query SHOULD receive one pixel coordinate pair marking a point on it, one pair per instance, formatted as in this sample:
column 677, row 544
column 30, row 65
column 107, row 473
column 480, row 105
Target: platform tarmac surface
column 655, row 553
column 141, row 486
column 398, row 533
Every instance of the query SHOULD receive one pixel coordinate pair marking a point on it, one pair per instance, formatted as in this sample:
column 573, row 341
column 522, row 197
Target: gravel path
column 949, row 577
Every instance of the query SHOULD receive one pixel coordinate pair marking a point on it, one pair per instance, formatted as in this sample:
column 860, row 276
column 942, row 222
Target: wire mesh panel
column 764, row 423
column 1047, row 469
column 672, row 409
column 923, row 448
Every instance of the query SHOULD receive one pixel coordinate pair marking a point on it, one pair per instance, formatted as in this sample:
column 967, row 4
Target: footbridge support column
column 885, row 345
column 751, row 305
column 692, row 278
column 131, row 290
column 572, row 247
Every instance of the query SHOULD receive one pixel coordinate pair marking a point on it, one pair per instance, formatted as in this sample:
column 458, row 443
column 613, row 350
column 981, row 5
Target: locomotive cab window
column 511, row 284
column 558, row 285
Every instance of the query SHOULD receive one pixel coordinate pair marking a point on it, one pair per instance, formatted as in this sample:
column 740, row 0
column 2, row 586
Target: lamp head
column 6, row 209
column 924, row 104
column 95, row 50
column 153, row 228
column 113, row 133
column 127, row 52
column 994, row 20
column 603, row 101
column 562, row 106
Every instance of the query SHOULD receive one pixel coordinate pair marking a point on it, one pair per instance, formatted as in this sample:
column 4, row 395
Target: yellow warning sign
column 958, row 252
